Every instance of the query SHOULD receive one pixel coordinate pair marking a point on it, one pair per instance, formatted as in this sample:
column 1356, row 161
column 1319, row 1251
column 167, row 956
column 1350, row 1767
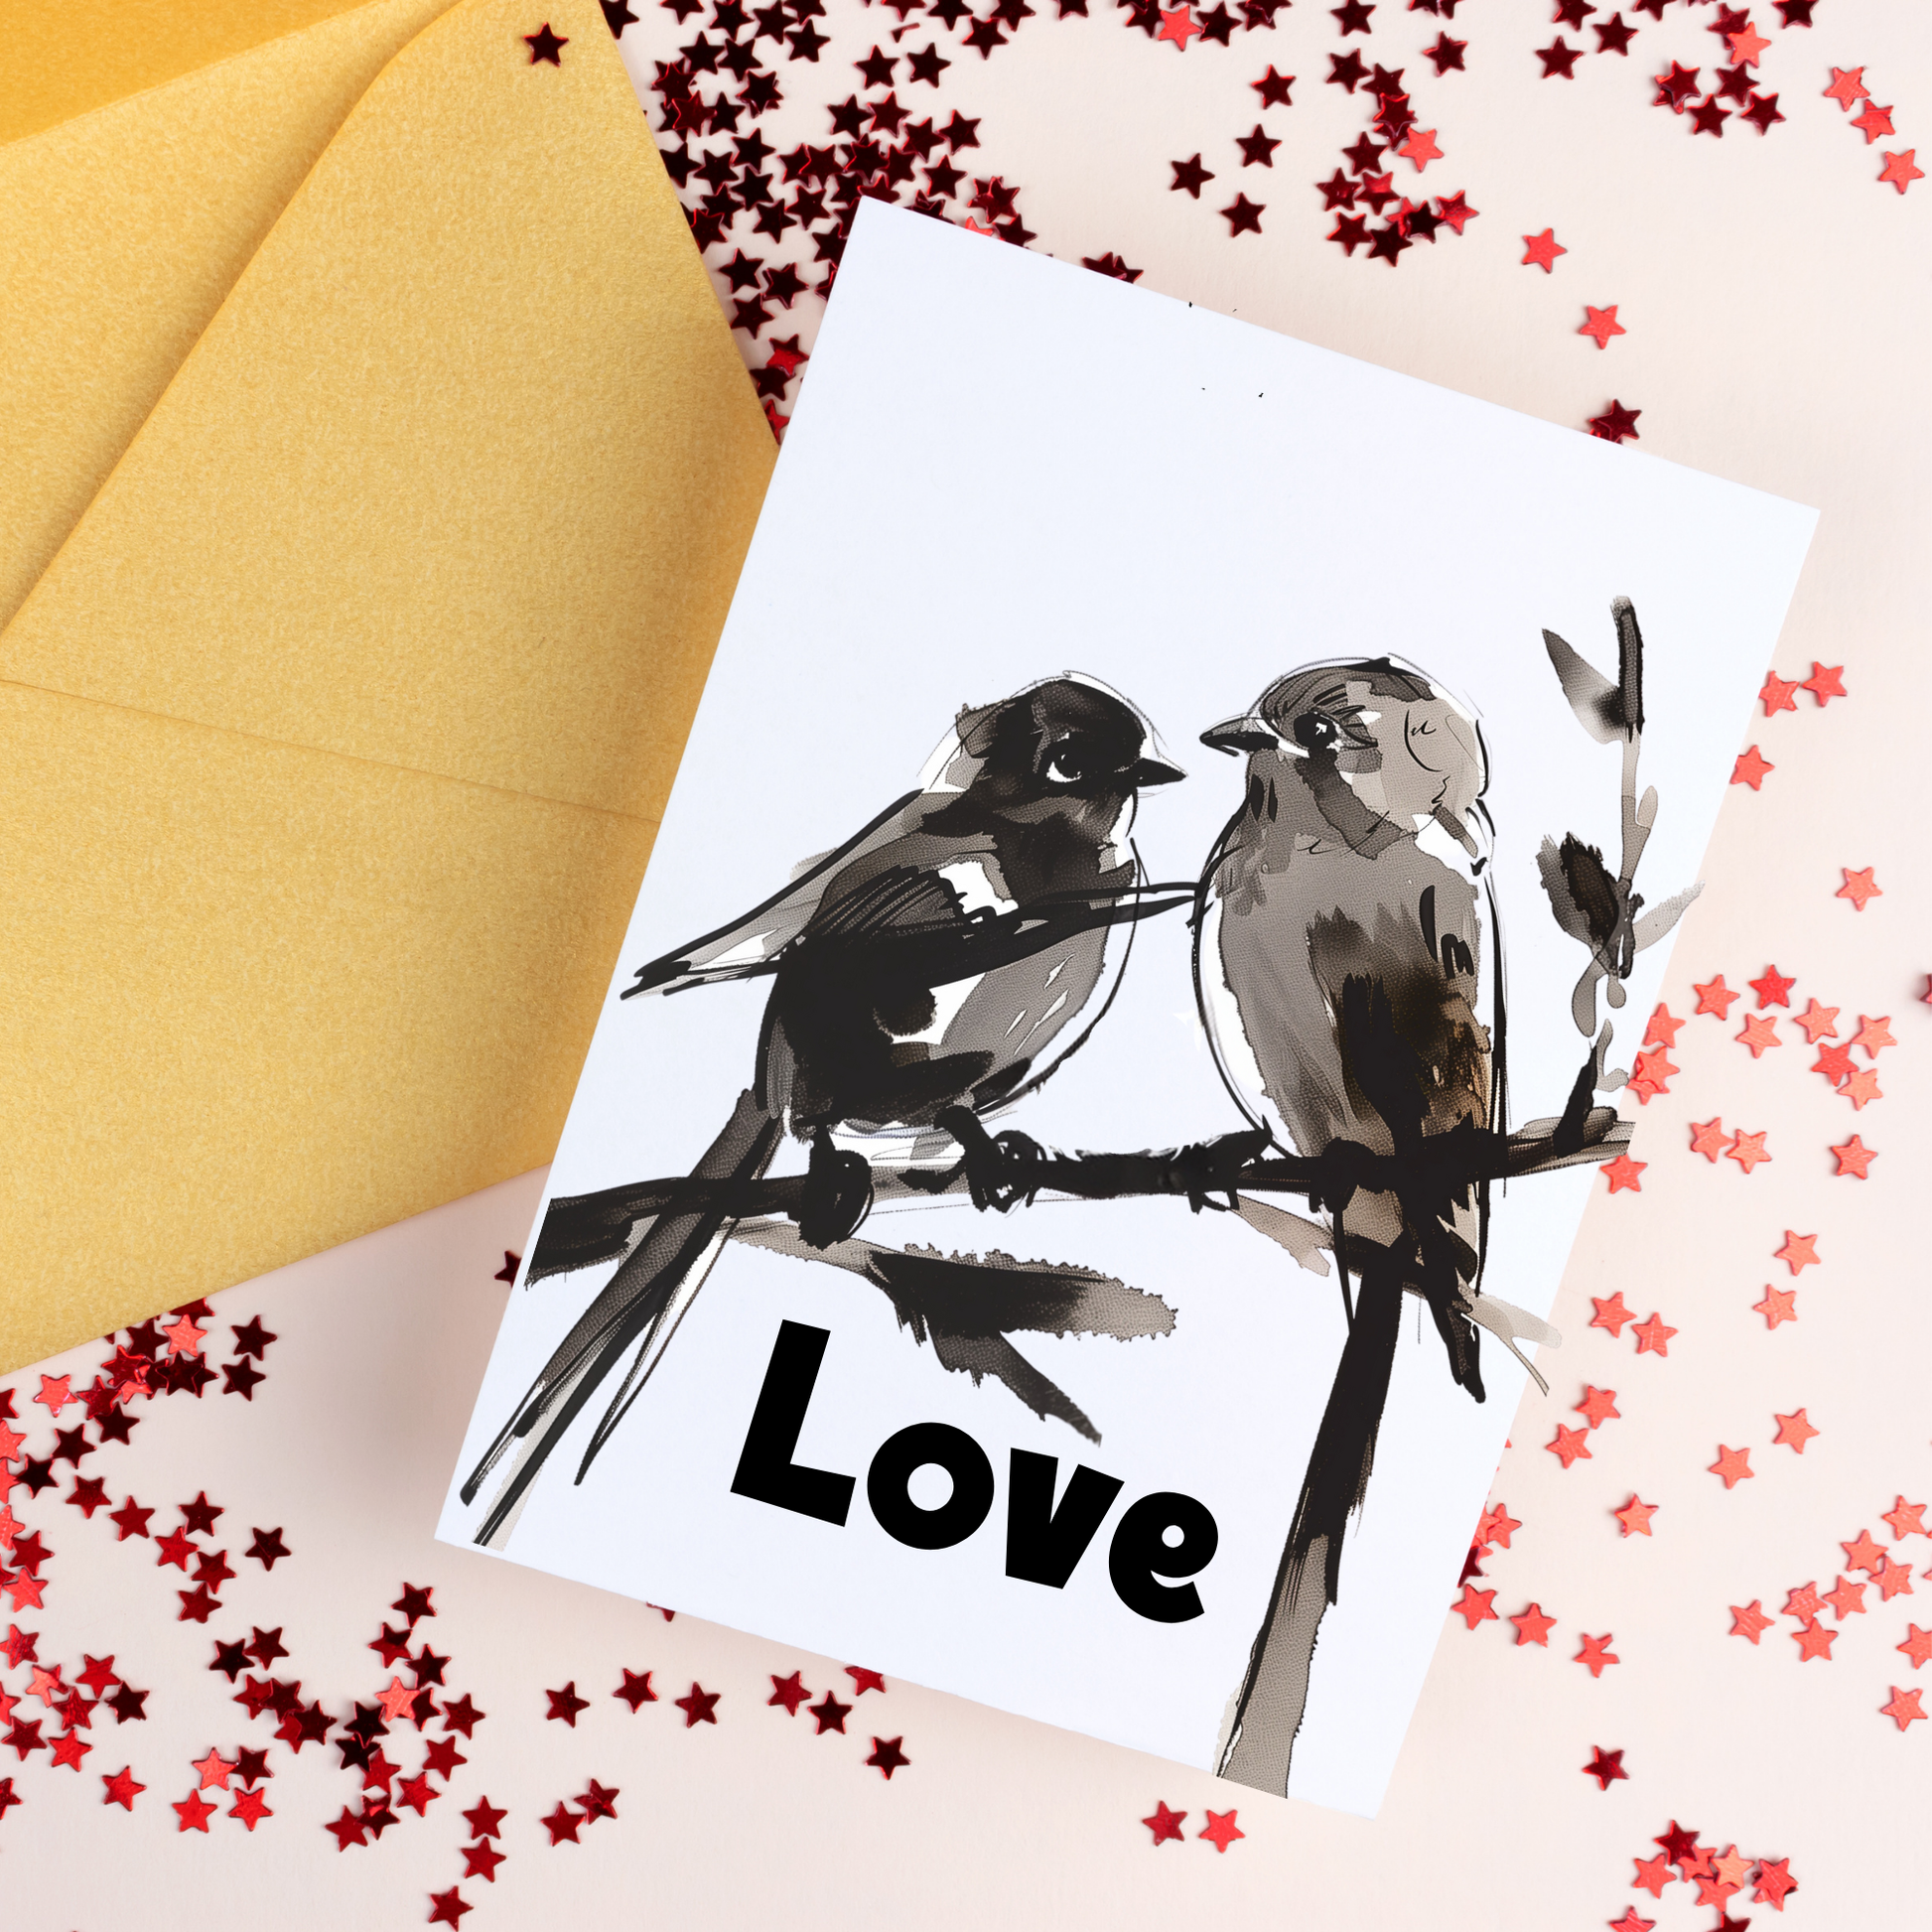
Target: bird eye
column 1317, row 733
column 1067, row 766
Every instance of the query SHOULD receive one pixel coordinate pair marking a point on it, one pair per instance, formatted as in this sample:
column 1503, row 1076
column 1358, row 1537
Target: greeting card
column 1129, row 1002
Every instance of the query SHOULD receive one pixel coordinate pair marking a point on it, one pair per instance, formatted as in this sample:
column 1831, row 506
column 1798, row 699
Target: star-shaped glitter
column 1178, row 25
column 546, row 46
column 635, row 1691
column 1795, row 1430
column 1854, row 1159
column 1901, row 170
column 1559, row 60
column 395, row 1703
column 1635, row 1517
column 1597, row 1654
column 1601, row 325
column 1615, row 423
column 215, row 1770
column 1715, row 997
column 194, row 1812
column 1611, row 1313
column 1475, row 1607
column 1779, row 1304
column 1709, row 1137
column 462, row 1714
column 121, row 1789
column 1748, row 1150
column 1860, row 887
column 1903, row 1708
column 1190, row 177
column 1542, row 250
column 1532, row 1626
column 1814, row 1641
column 1860, row 1088
column 1677, row 88
column 1653, row 1336
column 1906, row 1519
column 1917, row 1645
column 1570, row 1446
column 1864, row 1553
column 1597, row 1407
column 485, row 1819
column 1243, row 216
column 448, row 1907
column 1622, row 1173
column 1630, row 1922
column 1165, row 1824
column 831, row 1715
column 1873, row 1035
column 1733, row 1464
column 887, row 1758
column 480, row 1861
column 699, row 1705
column 1605, row 1766
column 1800, row 1251
column 1421, row 147
column 1653, row 1874
column 1614, row 36
column 1447, row 54
column 1774, row 1878
column 1749, row 1621
column 563, row 1823
column 1273, row 88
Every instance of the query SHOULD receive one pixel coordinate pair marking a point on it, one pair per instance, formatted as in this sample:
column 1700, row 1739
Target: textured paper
column 456, row 482
column 68, row 59
column 121, row 232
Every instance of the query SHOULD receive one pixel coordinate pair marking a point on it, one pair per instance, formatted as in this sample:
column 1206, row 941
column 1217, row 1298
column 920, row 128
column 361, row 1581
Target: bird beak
column 1246, row 733
column 1151, row 771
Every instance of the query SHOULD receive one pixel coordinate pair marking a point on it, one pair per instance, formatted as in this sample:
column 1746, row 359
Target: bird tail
column 642, row 1302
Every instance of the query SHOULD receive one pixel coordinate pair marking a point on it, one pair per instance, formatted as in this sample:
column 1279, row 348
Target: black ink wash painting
column 1079, row 1236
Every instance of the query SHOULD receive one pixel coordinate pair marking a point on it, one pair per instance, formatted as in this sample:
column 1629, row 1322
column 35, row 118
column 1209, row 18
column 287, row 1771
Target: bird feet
column 1001, row 1171
column 837, row 1194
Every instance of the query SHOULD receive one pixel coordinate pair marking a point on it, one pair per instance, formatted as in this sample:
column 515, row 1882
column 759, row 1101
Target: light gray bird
column 1352, row 997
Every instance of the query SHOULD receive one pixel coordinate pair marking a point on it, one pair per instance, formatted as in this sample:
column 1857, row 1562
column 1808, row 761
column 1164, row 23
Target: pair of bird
column 930, row 972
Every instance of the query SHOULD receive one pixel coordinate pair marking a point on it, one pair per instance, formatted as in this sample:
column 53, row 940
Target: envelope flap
column 460, row 475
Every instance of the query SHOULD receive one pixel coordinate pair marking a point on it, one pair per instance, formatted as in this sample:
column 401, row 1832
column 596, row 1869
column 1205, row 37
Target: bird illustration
column 934, row 961
column 1353, row 1001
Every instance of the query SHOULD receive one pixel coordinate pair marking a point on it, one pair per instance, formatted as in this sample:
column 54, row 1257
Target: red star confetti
column 887, row 1758
column 1653, row 1874
column 1873, row 1035
column 485, row 1819
column 1615, row 423
column 563, row 1823
column 563, row 1704
column 1243, row 216
column 1601, row 325
column 1860, row 887
column 1751, row 769
column 56, row 1392
column 194, row 1812
column 1165, row 1824
column 1800, row 1251
column 1748, row 1150
column 1773, row 989
column 1709, row 1139
column 1715, row 997
column 1180, row 27
column 1748, row 1620
column 1826, row 681
column 863, row 1680
column 448, row 1907
column 1635, row 1517
column 252, row 1807
column 1917, row 1645
column 1795, row 1430
column 1611, row 1315
column 635, row 1691
column 1746, row 46
column 1541, row 251
column 1475, row 1607
column 1906, row 1519
column 1777, row 693
column 1532, row 1626
column 1860, row 1088
column 1653, row 1336
column 1663, row 1028
column 1630, row 1922
column 1854, row 1159
column 1848, row 86
column 1622, row 1173
column 1570, row 1446
column 1497, row 1526
column 480, row 1861
column 831, row 1715
column 1819, row 1023
column 1597, row 1407
column 700, row 1707
column 1864, row 1553
column 1775, row 1881
column 1901, row 170
column 1221, row 1831
column 1605, row 1766
column 1814, row 1641
column 1733, row 1464
column 1677, row 88
column 1802, row 1603
column 1903, row 1708
column 1597, row 1654
column 121, row 1789
column 1760, row 1033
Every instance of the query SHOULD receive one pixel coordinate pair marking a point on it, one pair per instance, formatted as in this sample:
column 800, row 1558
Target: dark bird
column 1353, row 1001
column 934, row 961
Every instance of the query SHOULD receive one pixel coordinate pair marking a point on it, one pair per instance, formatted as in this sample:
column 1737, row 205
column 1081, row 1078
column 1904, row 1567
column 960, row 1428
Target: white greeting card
column 1126, row 1010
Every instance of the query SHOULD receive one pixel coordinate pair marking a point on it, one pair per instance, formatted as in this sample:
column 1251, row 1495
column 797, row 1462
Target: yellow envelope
column 332, row 740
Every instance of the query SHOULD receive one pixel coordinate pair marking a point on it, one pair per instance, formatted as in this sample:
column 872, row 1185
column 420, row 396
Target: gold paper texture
column 361, row 682
column 69, row 57
column 120, row 235
column 425, row 489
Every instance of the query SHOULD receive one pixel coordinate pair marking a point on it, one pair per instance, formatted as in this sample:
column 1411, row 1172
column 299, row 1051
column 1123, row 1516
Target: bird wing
column 749, row 945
